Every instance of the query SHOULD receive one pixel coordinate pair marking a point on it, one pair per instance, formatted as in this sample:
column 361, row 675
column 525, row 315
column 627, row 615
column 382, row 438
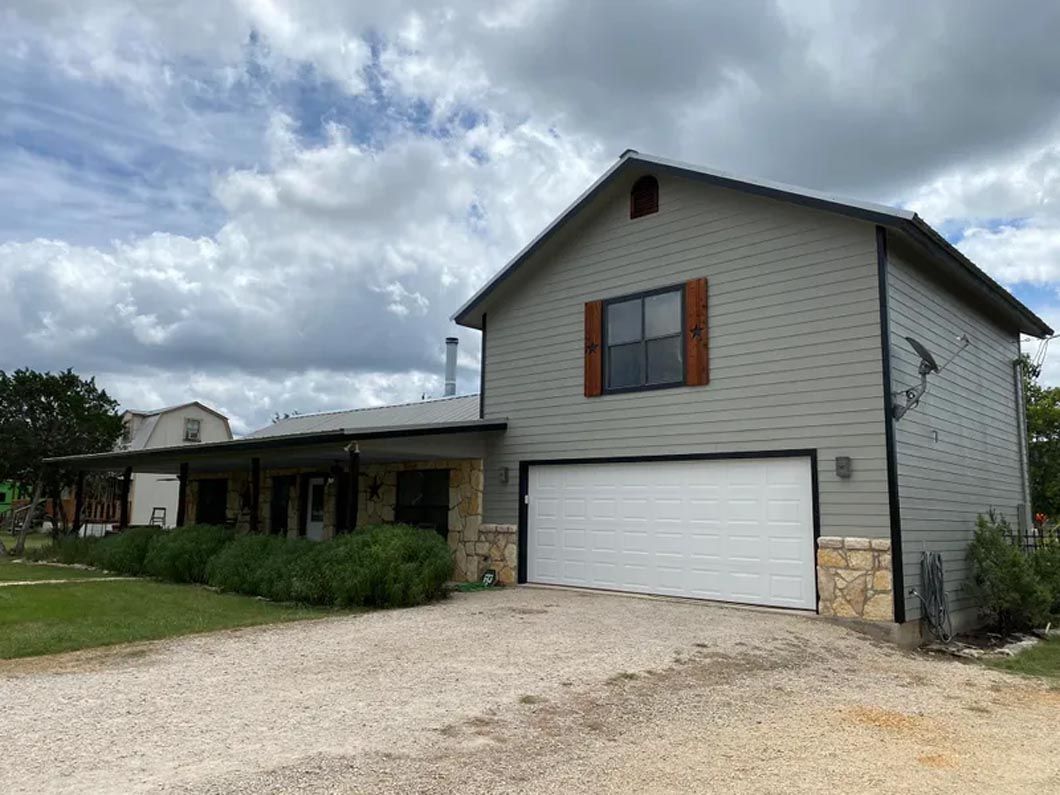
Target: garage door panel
column 736, row 530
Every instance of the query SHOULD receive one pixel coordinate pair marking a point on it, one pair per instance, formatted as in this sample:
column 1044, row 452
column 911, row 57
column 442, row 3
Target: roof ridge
column 374, row 408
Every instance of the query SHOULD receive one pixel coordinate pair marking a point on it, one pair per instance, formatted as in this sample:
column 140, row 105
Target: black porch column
column 353, row 492
column 255, row 494
column 182, row 494
column 126, row 487
column 79, row 501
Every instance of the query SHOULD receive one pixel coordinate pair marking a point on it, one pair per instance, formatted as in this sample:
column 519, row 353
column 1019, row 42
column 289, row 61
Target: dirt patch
column 938, row 761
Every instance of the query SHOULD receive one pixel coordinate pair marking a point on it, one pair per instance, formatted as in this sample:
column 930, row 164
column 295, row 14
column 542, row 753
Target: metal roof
column 463, row 408
column 905, row 221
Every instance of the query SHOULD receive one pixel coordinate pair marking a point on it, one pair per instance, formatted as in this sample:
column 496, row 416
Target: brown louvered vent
column 644, row 198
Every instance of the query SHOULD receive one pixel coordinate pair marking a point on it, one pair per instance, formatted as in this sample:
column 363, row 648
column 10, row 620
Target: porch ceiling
column 312, row 450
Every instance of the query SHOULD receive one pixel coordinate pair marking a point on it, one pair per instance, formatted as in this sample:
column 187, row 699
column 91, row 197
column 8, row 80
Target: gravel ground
column 528, row 690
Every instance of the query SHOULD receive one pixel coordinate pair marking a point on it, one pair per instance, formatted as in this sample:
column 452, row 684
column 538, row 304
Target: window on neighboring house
column 192, row 429
column 643, row 341
column 423, row 499
column 644, row 197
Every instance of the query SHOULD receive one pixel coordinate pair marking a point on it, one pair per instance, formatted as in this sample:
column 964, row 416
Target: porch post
column 126, row 486
column 182, row 494
column 353, row 492
column 255, row 494
column 79, row 501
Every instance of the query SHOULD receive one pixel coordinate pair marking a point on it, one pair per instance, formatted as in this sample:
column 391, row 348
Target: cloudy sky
column 275, row 205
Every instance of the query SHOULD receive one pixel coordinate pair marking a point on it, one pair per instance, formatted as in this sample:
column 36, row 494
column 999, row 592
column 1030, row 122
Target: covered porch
column 320, row 485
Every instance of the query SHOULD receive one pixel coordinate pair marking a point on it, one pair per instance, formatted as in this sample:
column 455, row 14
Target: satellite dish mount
column 928, row 365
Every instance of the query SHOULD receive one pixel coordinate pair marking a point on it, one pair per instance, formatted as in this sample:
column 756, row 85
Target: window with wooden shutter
column 697, row 367
column 644, row 197
column 594, row 354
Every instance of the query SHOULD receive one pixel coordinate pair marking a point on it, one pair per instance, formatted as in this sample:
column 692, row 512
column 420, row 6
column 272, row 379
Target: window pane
column 624, row 363
column 662, row 314
column 316, row 502
column 664, row 361
column 623, row 322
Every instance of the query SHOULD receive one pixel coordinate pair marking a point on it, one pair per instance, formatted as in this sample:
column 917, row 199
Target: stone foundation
column 491, row 546
column 854, row 578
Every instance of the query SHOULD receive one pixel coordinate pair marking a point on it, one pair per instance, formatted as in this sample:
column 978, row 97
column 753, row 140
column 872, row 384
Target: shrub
column 1046, row 565
column 181, row 555
column 68, row 550
column 1005, row 581
column 388, row 566
column 383, row 566
column 255, row 565
column 124, row 552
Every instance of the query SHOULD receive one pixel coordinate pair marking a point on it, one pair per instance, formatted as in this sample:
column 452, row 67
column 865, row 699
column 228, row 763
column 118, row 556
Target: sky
column 276, row 205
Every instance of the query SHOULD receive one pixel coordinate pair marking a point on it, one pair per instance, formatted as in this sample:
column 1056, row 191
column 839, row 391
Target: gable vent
column 644, row 198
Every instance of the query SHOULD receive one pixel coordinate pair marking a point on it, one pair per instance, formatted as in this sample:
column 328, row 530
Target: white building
column 155, row 496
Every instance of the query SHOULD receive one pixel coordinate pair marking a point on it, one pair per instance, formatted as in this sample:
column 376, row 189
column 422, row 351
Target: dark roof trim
column 903, row 220
column 192, row 452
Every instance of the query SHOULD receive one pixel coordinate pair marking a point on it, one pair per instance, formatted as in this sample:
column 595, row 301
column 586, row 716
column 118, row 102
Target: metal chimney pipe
column 450, row 365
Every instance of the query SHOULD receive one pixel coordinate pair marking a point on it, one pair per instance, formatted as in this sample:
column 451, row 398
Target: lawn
column 45, row 619
column 13, row 571
column 1041, row 660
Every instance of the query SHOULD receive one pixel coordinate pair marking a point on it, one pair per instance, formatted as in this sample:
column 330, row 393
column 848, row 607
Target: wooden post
column 182, row 494
column 79, row 501
column 255, row 494
column 126, row 487
column 353, row 492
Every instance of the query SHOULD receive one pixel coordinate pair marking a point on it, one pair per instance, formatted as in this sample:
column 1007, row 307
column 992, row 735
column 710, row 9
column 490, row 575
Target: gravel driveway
column 524, row 690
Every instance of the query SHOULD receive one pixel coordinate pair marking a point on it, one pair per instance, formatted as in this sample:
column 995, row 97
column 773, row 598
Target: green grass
column 1041, row 660
column 12, row 571
column 45, row 619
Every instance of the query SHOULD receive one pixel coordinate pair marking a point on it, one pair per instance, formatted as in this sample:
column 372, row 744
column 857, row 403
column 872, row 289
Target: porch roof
column 437, row 440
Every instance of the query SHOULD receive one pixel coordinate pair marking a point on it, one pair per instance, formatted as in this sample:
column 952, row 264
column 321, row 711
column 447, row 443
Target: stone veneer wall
column 476, row 547
column 854, row 578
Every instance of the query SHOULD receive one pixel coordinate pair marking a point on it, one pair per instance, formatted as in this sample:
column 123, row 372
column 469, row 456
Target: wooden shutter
column 594, row 353
column 697, row 367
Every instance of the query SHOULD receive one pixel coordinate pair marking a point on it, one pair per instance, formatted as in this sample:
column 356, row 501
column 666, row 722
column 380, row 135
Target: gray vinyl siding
column 795, row 354
column 975, row 465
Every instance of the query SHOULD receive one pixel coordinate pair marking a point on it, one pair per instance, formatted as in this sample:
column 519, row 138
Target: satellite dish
column 927, row 361
column 928, row 365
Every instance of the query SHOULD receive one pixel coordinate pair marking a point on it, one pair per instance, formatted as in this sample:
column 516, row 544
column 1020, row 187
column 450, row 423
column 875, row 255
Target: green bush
column 68, row 550
column 1005, row 581
column 383, row 566
column 1046, row 564
column 181, row 555
column 388, row 566
column 124, row 552
column 379, row 566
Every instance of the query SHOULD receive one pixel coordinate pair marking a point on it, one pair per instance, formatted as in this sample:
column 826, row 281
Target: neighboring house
column 688, row 387
column 9, row 495
column 153, row 496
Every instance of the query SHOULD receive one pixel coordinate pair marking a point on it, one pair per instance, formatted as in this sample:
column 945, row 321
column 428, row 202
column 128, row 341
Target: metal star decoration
column 591, row 347
column 375, row 489
column 696, row 331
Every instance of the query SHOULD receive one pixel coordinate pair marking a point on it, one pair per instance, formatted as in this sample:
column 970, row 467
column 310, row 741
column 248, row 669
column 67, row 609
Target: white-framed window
column 192, row 429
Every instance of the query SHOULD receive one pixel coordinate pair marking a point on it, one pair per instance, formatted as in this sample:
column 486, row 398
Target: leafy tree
column 1043, row 440
column 43, row 415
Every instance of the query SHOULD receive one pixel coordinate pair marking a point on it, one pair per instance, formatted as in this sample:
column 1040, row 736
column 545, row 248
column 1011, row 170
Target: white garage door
column 737, row 530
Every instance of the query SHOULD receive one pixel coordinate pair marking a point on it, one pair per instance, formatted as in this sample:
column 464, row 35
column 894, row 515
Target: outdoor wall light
column 504, row 474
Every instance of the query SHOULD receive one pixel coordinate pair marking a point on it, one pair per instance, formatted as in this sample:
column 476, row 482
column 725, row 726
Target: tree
column 1043, row 440
column 43, row 415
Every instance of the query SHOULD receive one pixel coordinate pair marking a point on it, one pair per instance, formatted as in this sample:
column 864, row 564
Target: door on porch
column 423, row 499
column 314, row 517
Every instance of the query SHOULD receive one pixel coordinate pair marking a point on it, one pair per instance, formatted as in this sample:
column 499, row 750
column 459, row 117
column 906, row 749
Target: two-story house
column 692, row 385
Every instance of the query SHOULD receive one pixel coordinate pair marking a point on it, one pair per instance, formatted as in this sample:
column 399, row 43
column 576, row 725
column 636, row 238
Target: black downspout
column 482, row 373
column 182, row 494
column 894, row 506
